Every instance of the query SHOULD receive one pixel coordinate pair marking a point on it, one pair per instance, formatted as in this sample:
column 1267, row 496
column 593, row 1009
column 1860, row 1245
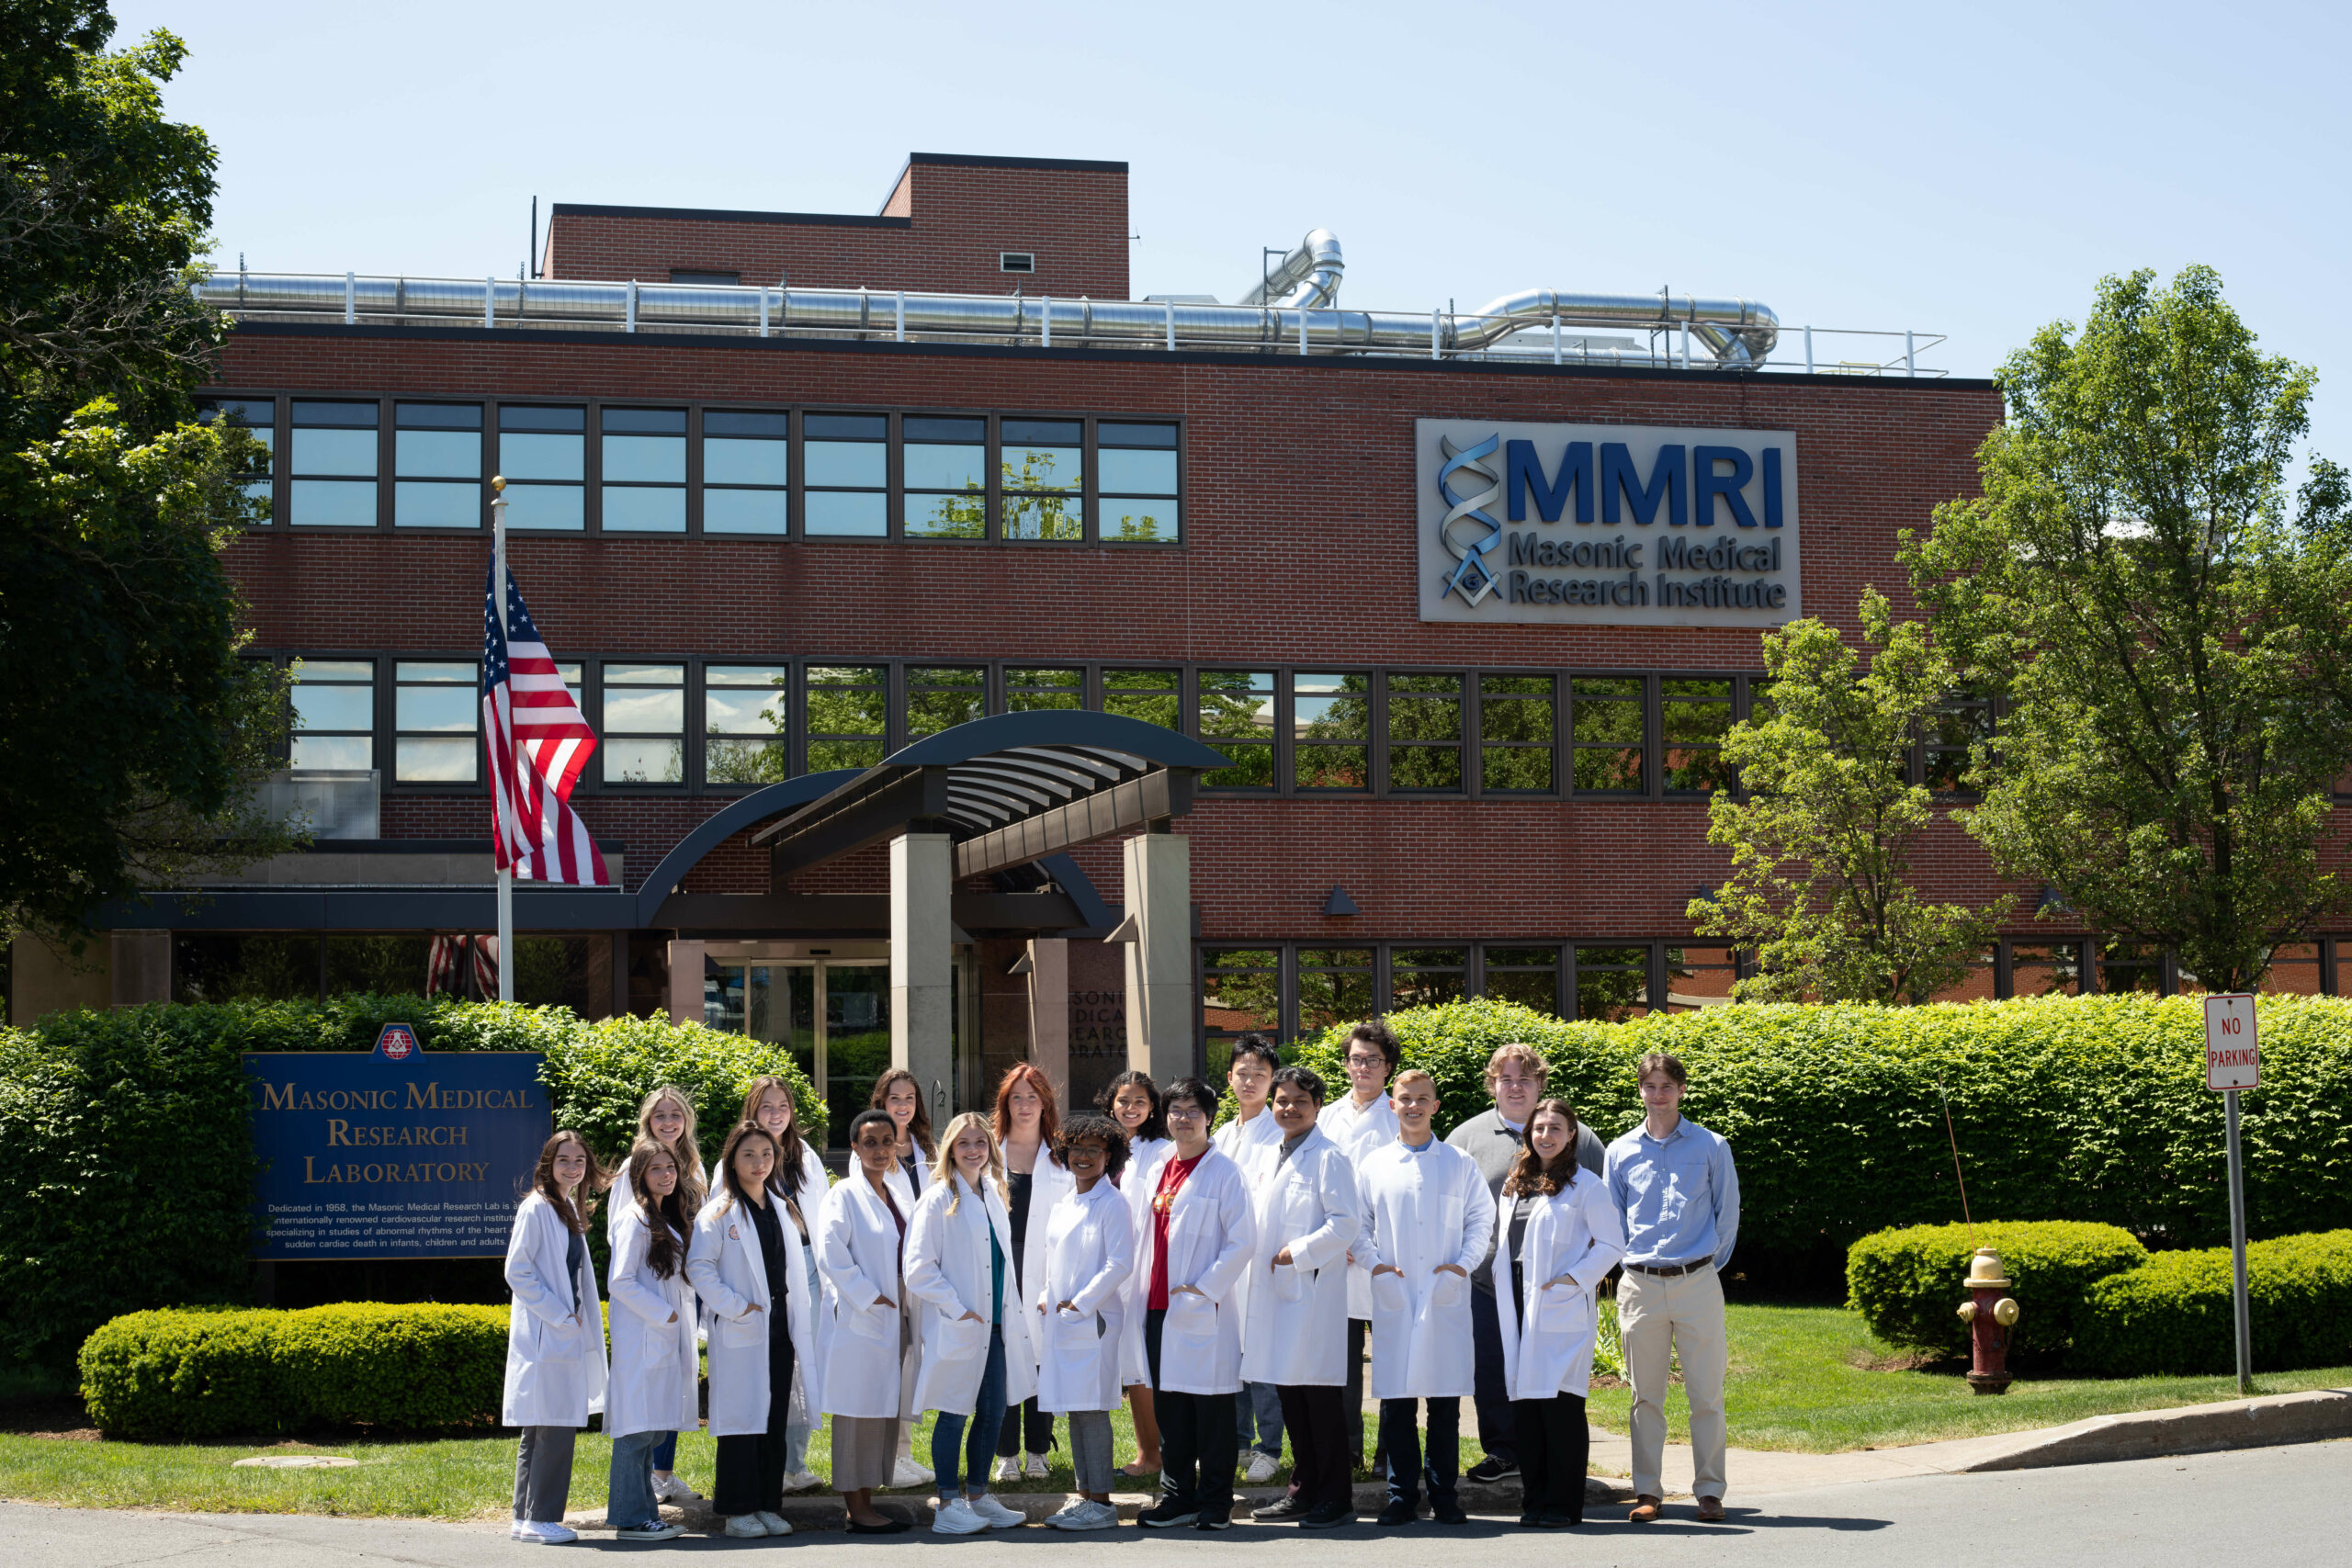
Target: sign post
column 2232, row 1062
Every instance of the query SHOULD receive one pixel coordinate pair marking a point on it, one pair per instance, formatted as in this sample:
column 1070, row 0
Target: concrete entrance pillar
column 922, row 969
column 140, row 967
column 1158, row 867
column 1049, row 1011
column 685, row 982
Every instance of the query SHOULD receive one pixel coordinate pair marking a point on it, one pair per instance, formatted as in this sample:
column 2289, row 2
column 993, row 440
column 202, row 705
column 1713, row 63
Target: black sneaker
column 1280, row 1510
column 1491, row 1469
column 1167, row 1516
column 1214, row 1520
column 1398, row 1513
column 1448, row 1513
column 1329, row 1516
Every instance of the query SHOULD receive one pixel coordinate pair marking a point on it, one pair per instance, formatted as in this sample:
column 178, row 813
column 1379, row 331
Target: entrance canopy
column 1008, row 789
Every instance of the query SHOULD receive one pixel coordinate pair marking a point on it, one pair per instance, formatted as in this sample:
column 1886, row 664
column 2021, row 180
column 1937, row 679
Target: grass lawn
column 1814, row 1380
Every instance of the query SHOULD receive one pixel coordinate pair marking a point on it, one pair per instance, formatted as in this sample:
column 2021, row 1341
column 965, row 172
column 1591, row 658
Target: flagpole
column 505, row 873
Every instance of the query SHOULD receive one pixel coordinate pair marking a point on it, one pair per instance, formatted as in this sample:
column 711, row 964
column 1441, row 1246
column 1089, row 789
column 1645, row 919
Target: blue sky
column 1964, row 170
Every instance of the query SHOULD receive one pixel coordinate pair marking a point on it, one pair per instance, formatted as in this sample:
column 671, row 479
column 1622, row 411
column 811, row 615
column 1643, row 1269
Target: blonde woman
column 667, row 1118
column 976, row 1349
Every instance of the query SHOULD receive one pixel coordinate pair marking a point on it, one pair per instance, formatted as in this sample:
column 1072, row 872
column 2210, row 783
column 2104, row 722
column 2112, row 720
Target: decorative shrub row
column 2174, row 1314
column 126, row 1134
column 1907, row 1283
column 204, row 1374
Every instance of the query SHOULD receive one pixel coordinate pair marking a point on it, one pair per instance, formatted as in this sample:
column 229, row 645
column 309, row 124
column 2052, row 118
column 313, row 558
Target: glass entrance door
column 857, row 1040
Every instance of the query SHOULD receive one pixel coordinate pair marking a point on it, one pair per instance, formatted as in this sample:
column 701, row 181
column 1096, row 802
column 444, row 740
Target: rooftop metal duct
column 1309, row 276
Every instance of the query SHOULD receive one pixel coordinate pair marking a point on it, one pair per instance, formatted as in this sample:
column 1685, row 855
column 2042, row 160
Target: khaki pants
column 1657, row 1317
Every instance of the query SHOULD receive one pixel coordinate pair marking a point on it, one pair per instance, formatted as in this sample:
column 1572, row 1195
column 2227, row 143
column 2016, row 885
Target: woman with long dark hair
column 650, row 1398
column 900, row 1093
column 800, row 1180
column 1133, row 1101
column 667, row 1118
column 1026, row 1123
column 555, row 1341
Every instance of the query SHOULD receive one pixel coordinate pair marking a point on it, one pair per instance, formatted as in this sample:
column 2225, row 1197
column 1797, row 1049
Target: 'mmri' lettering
column 1709, row 484
column 1619, row 477
column 1523, row 472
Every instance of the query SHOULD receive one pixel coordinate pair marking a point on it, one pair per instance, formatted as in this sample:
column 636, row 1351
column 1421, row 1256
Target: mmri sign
column 1607, row 524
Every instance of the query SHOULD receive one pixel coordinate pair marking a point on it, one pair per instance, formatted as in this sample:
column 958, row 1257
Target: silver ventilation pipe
column 1309, row 276
column 1733, row 332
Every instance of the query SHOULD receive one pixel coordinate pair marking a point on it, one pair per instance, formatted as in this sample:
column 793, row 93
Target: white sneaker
column 800, row 1480
column 1260, row 1468
column 527, row 1532
column 1067, row 1519
column 555, row 1534
column 671, row 1489
column 955, row 1517
column 907, row 1472
column 1008, row 1469
column 1034, row 1466
column 661, row 1531
column 1093, row 1516
column 745, row 1527
column 777, row 1524
column 998, row 1515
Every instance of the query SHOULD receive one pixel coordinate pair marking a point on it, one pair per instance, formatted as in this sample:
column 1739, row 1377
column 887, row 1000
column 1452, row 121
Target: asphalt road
column 2281, row 1504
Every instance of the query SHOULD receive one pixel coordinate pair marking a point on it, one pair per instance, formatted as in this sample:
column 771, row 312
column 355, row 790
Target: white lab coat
column 1295, row 1325
column 654, row 1370
column 555, row 1356
column 1048, row 1184
column 724, row 1265
column 857, row 1253
column 1090, row 1253
column 1575, row 1232
column 947, row 1275
column 1212, row 1233
column 1137, row 1184
column 1252, row 1144
column 909, row 1192
column 1359, row 1131
column 1422, row 1207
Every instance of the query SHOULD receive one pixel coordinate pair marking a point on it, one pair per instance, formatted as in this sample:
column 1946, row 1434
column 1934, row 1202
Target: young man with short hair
column 1361, row 1122
column 1675, row 1185
column 1249, row 1140
column 1515, row 1077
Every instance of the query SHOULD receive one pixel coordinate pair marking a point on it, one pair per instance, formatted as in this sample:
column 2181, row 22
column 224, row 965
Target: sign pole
column 2237, row 1247
column 2233, row 1061
column 506, row 873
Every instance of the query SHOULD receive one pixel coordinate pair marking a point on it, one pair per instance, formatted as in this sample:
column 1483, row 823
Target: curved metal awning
column 1011, row 788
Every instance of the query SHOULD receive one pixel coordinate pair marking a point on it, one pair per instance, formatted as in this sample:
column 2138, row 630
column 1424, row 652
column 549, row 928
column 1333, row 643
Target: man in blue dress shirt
column 1674, row 1183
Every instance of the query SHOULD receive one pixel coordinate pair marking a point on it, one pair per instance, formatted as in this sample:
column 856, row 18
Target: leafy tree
column 2170, row 640
column 131, row 731
column 1822, row 848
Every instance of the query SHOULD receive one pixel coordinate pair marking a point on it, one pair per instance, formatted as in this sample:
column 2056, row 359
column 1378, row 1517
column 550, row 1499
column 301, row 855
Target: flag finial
column 498, row 484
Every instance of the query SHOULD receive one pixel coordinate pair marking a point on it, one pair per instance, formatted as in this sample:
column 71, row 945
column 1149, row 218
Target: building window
column 436, row 711
column 259, row 417
column 1028, row 690
column 1330, row 732
column 1612, row 983
column 1043, row 464
column 1136, row 474
column 1155, row 696
column 1236, row 718
column 1515, row 735
column 1959, row 722
column 1699, row 978
column 436, row 465
column 1241, row 991
column 1424, row 976
column 846, row 475
column 1693, row 715
column 1334, row 987
column 335, row 714
column 746, row 721
column 1425, row 733
column 645, row 724
column 2131, row 966
column 1527, row 976
column 941, row 696
column 334, row 465
column 644, row 472
column 542, row 452
column 848, row 711
column 1606, row 734
column 2046, row 969
column 946, row 477
column 746, row 464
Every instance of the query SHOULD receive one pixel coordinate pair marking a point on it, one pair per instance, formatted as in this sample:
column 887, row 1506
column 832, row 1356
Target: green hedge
column 1906, row 1283
column 2175, row 1314
column 126, row 1141
column 203, row 1373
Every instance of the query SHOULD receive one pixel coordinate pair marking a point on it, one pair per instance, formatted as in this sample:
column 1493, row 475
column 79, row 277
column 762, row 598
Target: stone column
column 140, row 967
column 1160, row 1018
column 685, row 982
column 922, row 969
column 1049, row 1012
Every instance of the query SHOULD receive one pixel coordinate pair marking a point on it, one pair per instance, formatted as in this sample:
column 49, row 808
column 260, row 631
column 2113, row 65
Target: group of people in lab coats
column 1017, row 1267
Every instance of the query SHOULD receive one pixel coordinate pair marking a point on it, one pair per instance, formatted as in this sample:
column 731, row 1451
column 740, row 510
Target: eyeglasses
column 1509, row 1082
column 1185, row 1112
column 1363, row 1061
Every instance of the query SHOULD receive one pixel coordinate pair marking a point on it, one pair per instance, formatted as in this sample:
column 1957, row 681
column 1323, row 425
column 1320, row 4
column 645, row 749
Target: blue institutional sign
column 398, row 1153
column 1607, row 524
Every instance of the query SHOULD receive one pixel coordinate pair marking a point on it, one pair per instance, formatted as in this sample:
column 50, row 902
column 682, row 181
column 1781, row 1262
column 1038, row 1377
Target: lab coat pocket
column 961, row 1339
column 743, row 1333
column 1565, row 1308
column 1448, row 1289
column 559, row 1338
column 1077, row 1336
column 868, row 1321
column 1290, row 1284
column 1192, row 1318
column 1388, row 1296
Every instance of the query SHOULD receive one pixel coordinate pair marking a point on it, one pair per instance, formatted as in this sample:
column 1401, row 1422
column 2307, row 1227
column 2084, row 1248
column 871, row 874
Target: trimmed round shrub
column 1907, row 1283
column 222, row 1372
column 2175, row 1314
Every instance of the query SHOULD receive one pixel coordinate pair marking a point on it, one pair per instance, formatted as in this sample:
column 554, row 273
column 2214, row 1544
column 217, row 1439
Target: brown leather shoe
column 1710, row 1509
column 1646, row 1510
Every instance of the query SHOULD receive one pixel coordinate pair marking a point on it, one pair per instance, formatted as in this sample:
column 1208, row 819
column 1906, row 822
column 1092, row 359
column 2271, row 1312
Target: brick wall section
column 944, row 227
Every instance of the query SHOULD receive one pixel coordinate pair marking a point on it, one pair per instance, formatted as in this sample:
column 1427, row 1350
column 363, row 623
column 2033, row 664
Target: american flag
column 462, row 967
column 538, row 742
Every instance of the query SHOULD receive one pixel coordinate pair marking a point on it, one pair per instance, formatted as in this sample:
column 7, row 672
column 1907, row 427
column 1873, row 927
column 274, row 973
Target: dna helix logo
column 1471, row 577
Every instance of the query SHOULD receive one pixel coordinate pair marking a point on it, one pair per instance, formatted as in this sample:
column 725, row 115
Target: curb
column 2315, row 1417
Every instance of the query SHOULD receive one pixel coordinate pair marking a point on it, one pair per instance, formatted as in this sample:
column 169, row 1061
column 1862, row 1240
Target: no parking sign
column 2233, row 1043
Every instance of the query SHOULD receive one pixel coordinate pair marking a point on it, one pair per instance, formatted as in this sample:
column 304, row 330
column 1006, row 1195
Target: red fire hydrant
column 1989, row 1315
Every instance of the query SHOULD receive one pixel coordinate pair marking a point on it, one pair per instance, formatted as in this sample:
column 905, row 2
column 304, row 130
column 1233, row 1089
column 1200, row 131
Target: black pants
column 1026, row 1429
column 1197, row 1448
column 1554, row 1445
column 751, row 1467
column 1400, row 1440
column 1359, row 1330
column 1497, row 1435
column 1321, row 1465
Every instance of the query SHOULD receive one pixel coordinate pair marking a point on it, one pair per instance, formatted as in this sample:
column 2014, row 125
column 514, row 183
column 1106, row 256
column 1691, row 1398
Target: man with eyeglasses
column 1361, row 1122
column 1253, row 1141
column 1515, row 1077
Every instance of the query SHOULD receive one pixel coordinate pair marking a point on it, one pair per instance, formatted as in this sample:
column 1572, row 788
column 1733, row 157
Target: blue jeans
column 628, row 1501
column 951, row 1441
column 665, row 1453
column 1400, row 1439
column 1260, row 1406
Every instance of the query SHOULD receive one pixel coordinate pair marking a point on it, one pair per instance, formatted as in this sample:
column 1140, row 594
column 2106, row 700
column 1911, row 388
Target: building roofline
column 730, row 215
column 976, row 161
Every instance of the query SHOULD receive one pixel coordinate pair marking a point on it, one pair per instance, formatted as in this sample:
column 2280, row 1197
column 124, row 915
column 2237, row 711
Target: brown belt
column 1671, row 1271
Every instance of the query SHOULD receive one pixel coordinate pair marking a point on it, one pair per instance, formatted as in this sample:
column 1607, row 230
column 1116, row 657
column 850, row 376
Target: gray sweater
column 1488, row 1139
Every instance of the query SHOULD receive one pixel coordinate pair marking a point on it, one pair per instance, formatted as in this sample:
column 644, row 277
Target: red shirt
column 1172, row 1173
